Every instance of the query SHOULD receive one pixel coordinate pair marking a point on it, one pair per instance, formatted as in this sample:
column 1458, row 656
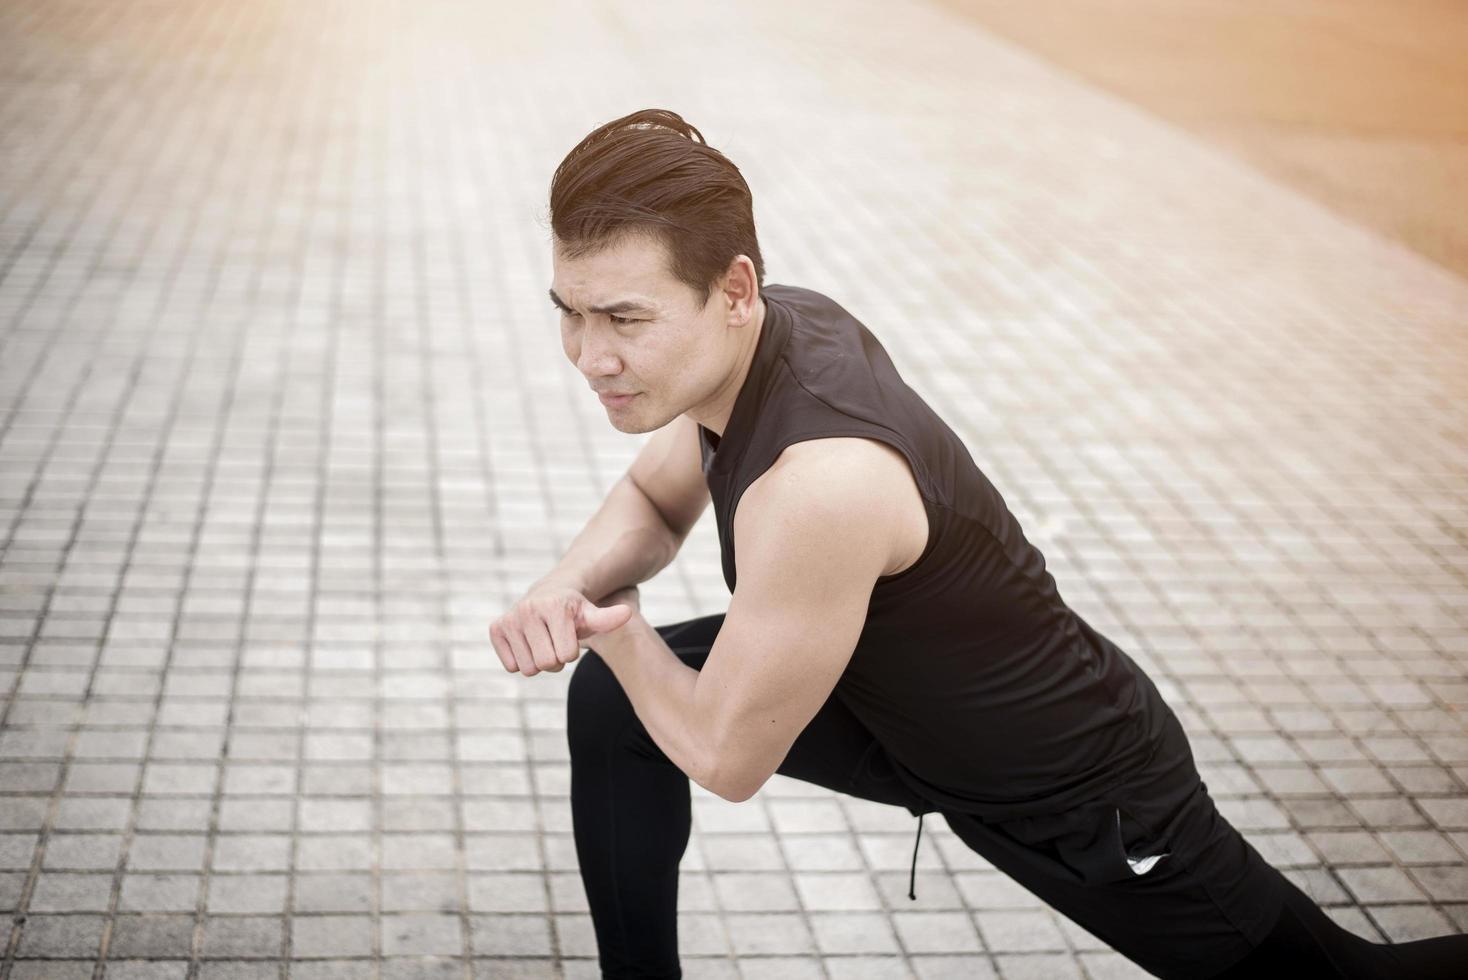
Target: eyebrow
column 621, row 306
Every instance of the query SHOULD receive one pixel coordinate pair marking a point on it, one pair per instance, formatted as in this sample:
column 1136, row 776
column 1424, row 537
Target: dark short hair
column 651, row 172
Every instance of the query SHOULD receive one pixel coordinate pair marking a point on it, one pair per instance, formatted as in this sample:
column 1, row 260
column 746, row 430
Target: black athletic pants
column 1211, row 907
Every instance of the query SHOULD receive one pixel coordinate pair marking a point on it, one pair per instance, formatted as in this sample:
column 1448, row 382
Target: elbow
column 739, row 792
column 736, row 782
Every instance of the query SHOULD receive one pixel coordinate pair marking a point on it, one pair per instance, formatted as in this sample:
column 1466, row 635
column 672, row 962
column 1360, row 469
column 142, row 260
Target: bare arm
column 643, row 521
column 625, row 542
column 814, row 533
column 635, row 533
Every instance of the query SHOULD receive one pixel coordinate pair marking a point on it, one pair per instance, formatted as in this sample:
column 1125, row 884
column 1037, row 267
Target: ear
column 740, row 290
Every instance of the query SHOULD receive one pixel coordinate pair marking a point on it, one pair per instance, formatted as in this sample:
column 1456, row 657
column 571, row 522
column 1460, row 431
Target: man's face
column 631, row 328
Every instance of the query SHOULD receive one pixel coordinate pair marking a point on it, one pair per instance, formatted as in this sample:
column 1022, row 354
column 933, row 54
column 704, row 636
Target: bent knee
column 596, row 705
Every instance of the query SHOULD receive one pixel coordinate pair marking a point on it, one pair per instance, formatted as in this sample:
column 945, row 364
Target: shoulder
column 834, row 457
column 807, row 302
column 838, row 494
column 847, row 469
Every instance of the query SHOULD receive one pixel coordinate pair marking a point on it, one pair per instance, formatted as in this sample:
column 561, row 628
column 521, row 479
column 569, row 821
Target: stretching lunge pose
column 891, row 633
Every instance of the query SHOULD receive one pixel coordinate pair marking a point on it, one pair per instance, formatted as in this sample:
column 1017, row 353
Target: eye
column 623, row 319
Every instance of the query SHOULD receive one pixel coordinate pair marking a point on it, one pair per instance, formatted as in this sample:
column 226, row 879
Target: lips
column 611, row 399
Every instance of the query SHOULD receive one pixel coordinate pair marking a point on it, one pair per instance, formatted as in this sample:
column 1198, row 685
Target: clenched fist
column 544, row 630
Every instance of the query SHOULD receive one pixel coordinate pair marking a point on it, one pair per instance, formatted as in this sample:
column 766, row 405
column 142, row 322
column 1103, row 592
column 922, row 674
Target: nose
column 596, row 359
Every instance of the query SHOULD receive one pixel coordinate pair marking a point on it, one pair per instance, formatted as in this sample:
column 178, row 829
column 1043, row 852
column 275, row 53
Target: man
column 891, row 633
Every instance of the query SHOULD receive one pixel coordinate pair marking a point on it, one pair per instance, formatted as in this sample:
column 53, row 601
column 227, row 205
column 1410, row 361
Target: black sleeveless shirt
column 990, row 695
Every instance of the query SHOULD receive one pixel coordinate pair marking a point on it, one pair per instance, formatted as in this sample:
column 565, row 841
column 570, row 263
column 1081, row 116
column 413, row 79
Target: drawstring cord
column 912, row 877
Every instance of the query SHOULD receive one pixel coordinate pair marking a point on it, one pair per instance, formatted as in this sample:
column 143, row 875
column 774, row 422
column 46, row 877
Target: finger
column 579, row 621
column 591, row 620
column 506, row 655
column 523, row 656
column 563, row 633
column 543, row 647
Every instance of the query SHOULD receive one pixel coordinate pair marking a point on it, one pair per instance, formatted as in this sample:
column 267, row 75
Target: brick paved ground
column 284, row 423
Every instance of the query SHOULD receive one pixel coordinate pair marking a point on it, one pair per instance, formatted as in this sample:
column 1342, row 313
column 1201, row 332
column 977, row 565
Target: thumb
column 594, row 619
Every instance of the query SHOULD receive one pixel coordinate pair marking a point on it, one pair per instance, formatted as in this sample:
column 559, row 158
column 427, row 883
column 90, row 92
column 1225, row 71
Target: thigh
column 692, row 636
column 1174, row 918
column 834, row 750
column 1206, row 900
column 837, row 751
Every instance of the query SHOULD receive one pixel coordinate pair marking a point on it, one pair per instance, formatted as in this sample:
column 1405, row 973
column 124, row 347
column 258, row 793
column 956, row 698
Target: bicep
column 808, row 553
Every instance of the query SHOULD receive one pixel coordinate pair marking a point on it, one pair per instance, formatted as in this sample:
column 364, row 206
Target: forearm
column 660, row 687
column 624, row 543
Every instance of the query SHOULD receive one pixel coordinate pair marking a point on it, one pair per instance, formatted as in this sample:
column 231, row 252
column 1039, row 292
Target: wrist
column 557, row 582
column 619, row 640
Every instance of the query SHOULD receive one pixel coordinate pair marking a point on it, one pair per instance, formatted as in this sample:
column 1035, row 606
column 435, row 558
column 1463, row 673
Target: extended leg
column 1210, row 907
column 1306, row 942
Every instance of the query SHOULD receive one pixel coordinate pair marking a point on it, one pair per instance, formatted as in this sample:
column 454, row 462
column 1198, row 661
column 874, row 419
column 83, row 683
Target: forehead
column 633, row 266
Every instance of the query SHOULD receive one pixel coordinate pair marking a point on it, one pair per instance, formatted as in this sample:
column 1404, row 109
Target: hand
column 627, row 597
column 544, row 629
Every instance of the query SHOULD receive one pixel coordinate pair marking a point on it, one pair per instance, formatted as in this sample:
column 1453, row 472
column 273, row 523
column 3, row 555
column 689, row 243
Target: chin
column 631, row 426
column 637, row 424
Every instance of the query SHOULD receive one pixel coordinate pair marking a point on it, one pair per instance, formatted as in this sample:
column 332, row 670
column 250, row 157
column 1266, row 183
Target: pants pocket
column 1096, row 845
column 1141, row 849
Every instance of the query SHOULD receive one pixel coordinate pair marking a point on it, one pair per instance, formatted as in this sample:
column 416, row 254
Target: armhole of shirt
column 886, row 437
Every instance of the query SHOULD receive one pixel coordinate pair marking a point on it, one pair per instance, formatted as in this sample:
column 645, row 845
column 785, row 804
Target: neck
column 716, row 417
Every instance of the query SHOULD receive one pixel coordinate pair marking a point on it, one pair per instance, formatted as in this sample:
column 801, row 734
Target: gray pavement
column 284, row 423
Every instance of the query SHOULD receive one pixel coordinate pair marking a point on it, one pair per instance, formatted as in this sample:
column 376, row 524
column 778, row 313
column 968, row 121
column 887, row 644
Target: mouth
column 612, row 401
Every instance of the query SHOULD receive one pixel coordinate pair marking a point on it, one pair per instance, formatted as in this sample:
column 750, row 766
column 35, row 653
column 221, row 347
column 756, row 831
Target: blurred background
column 1358, row 104
column 285, row 423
